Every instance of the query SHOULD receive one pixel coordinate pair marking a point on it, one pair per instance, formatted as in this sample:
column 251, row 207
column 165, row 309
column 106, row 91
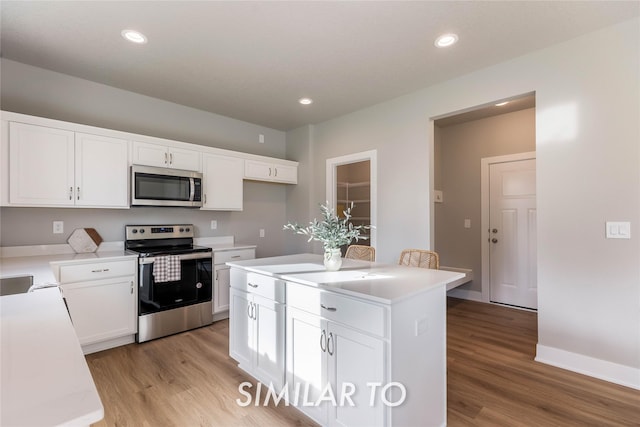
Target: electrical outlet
column 214, row 224
column 261, row 139
column 58, row 227
column 262, row 232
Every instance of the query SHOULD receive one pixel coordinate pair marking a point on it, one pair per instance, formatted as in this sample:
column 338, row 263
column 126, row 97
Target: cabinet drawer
column 366, row 316
column 235, row 255
column 96, row 270
column 265, row 286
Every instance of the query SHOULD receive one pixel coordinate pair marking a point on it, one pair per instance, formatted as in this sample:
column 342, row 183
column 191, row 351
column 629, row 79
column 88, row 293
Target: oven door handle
column 197, row 255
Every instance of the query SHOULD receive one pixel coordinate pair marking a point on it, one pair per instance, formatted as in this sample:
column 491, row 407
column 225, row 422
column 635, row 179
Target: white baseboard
column 597, row 368
column 465, row 294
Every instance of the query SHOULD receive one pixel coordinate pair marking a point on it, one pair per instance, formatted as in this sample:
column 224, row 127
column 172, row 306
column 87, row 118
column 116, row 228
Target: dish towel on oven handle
column 166, row 268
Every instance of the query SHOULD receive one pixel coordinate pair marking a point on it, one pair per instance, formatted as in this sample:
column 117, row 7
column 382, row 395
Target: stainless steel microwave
column 151, row 186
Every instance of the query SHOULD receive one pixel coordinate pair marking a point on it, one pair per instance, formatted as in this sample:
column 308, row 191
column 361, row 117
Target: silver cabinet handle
column 70, row 193
column 276, row 169
column 249, row 310
column 170, row 158
column 252, row 285
column 328, row 308
column 100, row 270
column 132, row 287
column 253, row 312
column 323, row 341
column 166, row 158
column 236, row 256
column 269, row 171
column 78, row 193
column 205, row 199
column 330, row 344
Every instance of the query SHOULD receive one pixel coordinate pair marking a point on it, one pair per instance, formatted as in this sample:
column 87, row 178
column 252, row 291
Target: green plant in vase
column 333, row 231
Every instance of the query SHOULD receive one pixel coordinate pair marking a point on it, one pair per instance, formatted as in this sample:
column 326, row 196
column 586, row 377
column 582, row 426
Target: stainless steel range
column 174, row 279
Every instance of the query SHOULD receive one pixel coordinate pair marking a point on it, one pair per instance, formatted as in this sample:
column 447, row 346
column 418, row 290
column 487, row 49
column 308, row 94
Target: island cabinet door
column 307, row 362
column 241, row 343
column 269, row 339
column 356, row 375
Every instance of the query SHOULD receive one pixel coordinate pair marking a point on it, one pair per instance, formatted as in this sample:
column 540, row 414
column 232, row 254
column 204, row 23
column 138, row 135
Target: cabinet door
column 180, row 158
column 306, row 361
column 102, row 309
column 288, row 174
column 269, row 336
column 148, row 154
column 41, row 165
column 258, row 170
column 101, row 171
column 222, row 182
column 357, row 360
column 241, row 342
column 221, row 288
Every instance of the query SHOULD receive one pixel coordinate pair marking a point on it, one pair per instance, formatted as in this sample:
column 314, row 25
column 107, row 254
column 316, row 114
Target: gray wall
column 39, row 92
column 587, row 108
column 457, row 166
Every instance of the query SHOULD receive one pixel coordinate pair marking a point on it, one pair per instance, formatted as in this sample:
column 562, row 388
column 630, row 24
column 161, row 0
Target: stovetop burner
column 159, row 240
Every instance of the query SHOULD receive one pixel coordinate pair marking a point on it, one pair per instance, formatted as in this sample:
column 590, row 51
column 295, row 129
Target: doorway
column 461, row 140
column 352, row 179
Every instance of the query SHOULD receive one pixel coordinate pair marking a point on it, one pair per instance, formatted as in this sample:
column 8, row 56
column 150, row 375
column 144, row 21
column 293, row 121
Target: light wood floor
column 189, row 380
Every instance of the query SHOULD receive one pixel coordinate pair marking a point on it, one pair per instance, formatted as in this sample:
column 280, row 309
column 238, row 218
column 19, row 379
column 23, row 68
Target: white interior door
column 512, row 233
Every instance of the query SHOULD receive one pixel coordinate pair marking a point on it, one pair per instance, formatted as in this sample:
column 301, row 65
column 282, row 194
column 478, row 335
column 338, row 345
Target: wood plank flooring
column 189, row 380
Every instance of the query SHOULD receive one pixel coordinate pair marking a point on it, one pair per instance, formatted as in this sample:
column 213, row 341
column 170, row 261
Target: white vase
column 332, row 259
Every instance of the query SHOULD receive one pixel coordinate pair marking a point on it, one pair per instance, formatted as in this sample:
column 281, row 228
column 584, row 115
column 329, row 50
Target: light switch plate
column 618, row 230
column 437, row 196
column 467, row 223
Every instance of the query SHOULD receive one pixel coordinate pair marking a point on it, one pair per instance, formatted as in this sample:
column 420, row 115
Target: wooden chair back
column 361, row 252
column 419, row 258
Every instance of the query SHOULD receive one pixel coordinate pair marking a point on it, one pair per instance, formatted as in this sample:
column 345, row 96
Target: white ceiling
column 253, row 60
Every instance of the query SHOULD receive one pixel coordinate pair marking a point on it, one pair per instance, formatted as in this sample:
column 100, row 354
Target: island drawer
column 366, row 316
column 220, row 257
column 96, row 270
column 266, row 286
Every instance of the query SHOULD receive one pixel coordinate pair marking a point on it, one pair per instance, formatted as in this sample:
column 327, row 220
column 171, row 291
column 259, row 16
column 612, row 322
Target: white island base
column 365, row 345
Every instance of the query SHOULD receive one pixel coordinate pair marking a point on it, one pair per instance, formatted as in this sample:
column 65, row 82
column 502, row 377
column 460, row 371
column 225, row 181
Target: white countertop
column 386, row 283
column 44, row 378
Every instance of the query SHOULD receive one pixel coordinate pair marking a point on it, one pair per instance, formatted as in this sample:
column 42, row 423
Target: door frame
column 332, row 165
column 485, row 163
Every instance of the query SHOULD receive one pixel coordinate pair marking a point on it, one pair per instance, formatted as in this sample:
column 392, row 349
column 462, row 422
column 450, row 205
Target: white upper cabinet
column 222, row 182
column 55, row 167
column 152, row 154
column 41, row 165
column 272, row 172
column 99, row 157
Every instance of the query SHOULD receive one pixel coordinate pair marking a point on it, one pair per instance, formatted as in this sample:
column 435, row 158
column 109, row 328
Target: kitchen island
column 44, row 378
column 365, row 345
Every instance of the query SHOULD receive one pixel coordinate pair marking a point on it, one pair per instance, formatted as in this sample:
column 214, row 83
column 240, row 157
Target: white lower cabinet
column 102, row 301
column 222, row 278
column 256, row 338
column 334, row 371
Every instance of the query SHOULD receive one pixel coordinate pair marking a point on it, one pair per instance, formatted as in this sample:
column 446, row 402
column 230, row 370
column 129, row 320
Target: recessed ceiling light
column 446, row 40
column 500, row 104
column 305, row 101
column 134, row 36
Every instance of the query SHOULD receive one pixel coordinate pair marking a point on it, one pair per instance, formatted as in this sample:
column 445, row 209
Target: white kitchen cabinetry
column 153, row 154
column 222, row 279
column 327, row 354
column 55, row 167
column 222, row 182
column 272, row 172
column 102, row 300
column 256, row 329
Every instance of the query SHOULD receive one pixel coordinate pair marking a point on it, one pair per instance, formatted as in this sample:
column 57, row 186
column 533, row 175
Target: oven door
column 193, row 287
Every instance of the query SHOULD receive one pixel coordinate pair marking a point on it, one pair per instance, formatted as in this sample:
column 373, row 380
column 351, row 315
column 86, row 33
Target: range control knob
column 187, row 229
column 181, row 230
column 142, row 231
column 134, row 231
